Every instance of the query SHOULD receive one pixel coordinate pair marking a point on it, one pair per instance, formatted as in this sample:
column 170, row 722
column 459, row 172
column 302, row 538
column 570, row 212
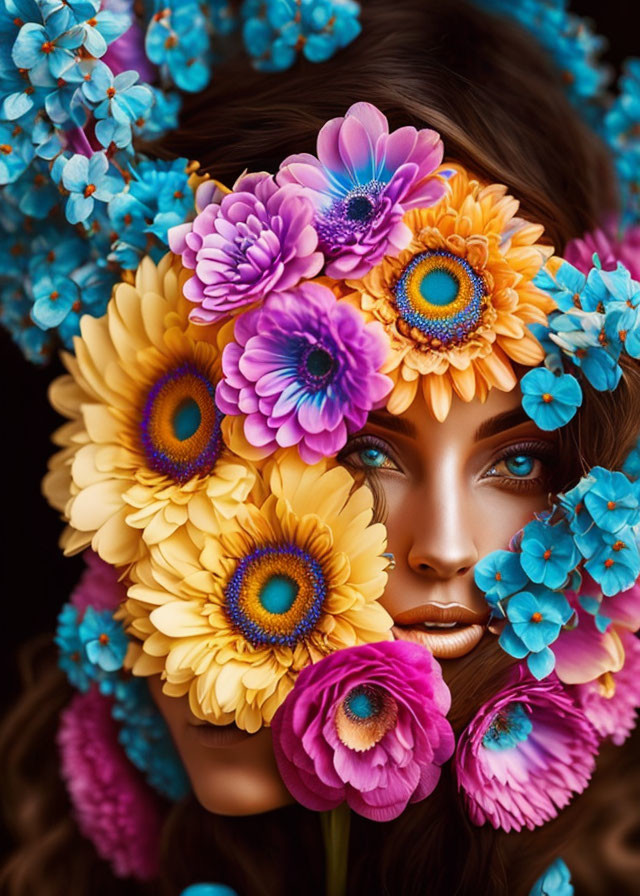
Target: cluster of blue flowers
column 575, row 50
column 592, row 527
column 567, row 38
column 80, row 81
column 597, row 321
column 92, row 647
column 275, row 31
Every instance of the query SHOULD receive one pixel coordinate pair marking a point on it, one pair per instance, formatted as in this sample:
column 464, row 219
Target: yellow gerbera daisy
column 143, row 453
column 456, row 302
column 232, row 618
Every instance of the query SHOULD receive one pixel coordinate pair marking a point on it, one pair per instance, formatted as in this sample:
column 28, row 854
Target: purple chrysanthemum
column 99, row 586
column 367, row 725
column 612, row 700
column 610, row 247
column 247, row 244
column 114, row 807
column 304, row 368
column 362, row 183
column 524, row 755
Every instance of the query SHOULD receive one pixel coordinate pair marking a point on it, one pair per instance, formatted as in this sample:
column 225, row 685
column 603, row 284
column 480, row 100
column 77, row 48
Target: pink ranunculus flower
column 99, row 586
column 246, row 244
column 612, row 700
column 361, row 184
column 525, row 754
column 611, row 247
column 305, row 370
column 366, row 725
column 115, row 808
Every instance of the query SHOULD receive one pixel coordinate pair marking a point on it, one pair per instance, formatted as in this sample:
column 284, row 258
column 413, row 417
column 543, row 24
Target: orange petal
column 438, row 394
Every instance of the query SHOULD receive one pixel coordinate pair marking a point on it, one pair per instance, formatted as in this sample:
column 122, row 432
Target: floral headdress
column 207, row 400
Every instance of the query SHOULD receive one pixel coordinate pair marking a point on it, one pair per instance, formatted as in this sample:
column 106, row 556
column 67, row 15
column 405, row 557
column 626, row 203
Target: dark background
column 36, row 578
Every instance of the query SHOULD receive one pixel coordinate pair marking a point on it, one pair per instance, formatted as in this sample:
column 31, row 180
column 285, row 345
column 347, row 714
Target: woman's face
column 452, row 492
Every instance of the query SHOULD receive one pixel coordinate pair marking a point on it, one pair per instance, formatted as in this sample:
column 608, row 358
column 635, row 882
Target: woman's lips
column 218, row 735
column 447, row 631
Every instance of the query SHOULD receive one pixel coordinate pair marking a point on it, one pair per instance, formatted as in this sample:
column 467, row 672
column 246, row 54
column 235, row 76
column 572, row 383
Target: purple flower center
column 351, row 216
column 316, row 367
column 359, row 208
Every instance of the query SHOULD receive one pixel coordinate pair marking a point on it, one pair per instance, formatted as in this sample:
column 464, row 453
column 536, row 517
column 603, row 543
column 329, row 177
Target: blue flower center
column 180, row 424
column 509, row 727
column 440, row 299
column 186, row 419
column 439, row 287
column 278, row 594
column 359, row 208
column 361, row 703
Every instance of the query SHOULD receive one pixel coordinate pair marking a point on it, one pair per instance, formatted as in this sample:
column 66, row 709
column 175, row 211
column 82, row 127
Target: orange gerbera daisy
column 457, row 301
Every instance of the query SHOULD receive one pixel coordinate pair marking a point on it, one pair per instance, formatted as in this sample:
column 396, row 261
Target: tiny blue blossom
column 16, row 152
column 549, row 400
column 537, row 618
column 631, row 466
column 275, row 31
column 44, row 51
column 54, row 297
column 615, row 565
column 87, row 180
column 72, row 658
column 499, row 575
column 556, row 881
column 610, row 500
column 549, row 553
column 177, row 40
column 104, row 639
column 564, row 287
column 116, row 98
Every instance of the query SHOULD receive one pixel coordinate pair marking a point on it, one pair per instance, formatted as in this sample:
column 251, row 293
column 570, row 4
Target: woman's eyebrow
column 500, row 422
column 392, row 423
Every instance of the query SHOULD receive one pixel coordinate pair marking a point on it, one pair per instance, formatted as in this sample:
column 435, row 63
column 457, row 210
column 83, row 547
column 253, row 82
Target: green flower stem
column 335, row 830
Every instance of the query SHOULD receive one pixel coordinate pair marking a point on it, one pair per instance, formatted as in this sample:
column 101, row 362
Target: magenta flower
column 304, row 368
column 367, row 725
column 114, row 807
column 611, row 249
column 611, row 701
column 254, row 241
column 362, row 183
column 99, row 586
column 524, row 755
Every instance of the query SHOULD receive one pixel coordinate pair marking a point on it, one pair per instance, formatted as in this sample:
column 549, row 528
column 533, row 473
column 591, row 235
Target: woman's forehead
column 467, row 421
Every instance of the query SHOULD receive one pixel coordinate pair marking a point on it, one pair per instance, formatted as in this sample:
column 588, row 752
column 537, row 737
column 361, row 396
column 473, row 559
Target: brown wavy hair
column 501, row 110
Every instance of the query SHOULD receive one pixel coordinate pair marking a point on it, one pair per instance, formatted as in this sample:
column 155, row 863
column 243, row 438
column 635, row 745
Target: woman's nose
column 443, row 542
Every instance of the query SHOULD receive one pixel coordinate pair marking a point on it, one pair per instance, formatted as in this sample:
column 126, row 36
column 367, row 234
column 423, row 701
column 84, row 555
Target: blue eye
column 372, row 457
column 520, row 465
